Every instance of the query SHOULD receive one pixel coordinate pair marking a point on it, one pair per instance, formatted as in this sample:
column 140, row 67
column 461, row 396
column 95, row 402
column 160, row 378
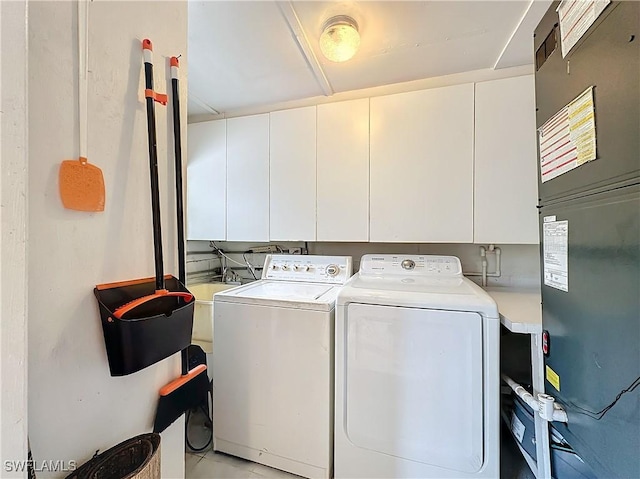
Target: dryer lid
column 423, row 281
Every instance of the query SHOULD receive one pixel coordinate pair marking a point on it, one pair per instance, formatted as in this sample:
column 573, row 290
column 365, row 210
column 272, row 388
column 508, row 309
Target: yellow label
column 553, row 378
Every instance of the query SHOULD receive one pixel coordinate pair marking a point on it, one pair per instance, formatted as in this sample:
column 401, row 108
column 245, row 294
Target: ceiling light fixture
column 340, row 39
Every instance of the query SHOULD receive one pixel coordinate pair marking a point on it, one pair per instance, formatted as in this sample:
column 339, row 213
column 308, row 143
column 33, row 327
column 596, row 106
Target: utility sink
column 202, row 334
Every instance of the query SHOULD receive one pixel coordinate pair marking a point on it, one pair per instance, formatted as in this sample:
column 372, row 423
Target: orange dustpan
column 81, row 184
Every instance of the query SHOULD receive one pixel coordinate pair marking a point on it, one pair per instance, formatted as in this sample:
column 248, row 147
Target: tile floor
column 212, row 465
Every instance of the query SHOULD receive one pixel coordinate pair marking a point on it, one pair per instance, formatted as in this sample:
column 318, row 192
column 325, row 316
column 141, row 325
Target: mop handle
column 177, row 144
column 151, row 98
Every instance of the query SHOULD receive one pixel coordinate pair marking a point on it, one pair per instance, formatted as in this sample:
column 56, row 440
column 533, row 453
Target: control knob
column 408, row 264
column 332, row 270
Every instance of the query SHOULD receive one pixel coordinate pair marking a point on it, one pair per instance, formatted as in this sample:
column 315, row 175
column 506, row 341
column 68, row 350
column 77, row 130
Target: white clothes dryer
column 273, row 364
column 417, row 372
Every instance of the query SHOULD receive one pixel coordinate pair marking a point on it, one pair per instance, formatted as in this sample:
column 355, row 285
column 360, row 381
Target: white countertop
column 520, row 309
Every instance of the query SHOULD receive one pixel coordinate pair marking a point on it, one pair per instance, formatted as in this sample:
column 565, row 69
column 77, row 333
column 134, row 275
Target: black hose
column 186, row 428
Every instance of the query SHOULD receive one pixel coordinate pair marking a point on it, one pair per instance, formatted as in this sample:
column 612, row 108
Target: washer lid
column 283, row 294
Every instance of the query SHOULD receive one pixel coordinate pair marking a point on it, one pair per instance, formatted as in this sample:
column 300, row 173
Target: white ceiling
column 250, row 53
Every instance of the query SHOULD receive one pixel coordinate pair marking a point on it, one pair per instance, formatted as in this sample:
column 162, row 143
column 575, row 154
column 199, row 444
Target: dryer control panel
column 308, row 268
column 410, row 265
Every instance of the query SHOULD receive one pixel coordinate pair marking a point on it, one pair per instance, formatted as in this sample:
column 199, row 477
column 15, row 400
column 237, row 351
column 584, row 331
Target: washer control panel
column 308, row 268
column 418, row 265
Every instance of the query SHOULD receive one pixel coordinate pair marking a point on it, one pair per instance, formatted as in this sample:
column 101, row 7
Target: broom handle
column 153, row 164
column 83, row 63
column 177, row 144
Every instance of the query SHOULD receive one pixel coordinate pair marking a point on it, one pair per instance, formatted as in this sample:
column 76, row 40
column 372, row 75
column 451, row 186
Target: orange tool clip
column 159, row 97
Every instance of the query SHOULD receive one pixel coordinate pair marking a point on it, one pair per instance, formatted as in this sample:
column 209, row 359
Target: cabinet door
column 292, row 176
column 206, row 180
column 506, row 183
column 422, row 166
column 248, row 178
column 343, row 171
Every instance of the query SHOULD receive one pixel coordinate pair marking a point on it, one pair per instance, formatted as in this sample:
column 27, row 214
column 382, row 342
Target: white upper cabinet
column 248, row 178
column 343, row 171
column 292, row 175
column 422, row 166
column 206, row 180
column 455, row 164
column 506, row 182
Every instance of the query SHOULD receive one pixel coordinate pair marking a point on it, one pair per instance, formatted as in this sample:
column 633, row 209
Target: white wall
column 13, row 249
column 520, row 263
column 201, row 261
column 75, row 406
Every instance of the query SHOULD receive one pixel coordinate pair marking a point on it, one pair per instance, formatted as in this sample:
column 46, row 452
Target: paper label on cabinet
column 575, row 18
column 556, row 254
column 548, row 219
column 568, row 139
column 553, row 378
column 517, row 428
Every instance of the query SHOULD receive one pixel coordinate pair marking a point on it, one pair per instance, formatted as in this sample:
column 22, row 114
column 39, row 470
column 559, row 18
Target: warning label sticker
column 556, row 254
column 553, row 378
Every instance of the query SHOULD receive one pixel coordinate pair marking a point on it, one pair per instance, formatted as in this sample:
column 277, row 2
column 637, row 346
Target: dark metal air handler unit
column 594, row 326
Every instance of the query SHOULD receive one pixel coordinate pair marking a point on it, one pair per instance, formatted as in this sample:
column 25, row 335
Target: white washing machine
column 273, row 364
column 417, row 372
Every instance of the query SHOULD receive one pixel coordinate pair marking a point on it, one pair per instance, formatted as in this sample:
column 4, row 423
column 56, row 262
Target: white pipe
column 485, row 274
column 522, row 393
column 545, row 405
column 484, row 271
column 559, row 414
